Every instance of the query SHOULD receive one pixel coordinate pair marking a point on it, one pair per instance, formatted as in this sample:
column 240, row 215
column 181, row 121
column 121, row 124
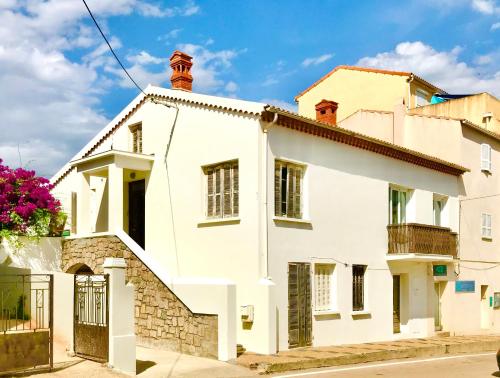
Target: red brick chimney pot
column 181, row 64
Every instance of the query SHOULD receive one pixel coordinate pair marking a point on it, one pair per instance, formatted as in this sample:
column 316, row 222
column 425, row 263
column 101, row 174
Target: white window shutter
column 485, row 157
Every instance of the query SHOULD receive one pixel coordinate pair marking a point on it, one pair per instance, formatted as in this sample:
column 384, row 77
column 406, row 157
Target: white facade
column 344, row 205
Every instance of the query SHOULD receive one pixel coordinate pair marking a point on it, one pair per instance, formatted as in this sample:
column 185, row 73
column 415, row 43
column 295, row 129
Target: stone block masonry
column 161, row 319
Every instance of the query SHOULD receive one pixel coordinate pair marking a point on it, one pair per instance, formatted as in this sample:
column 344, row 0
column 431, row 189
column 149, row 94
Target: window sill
column 292, row 220
column 216, row 221
column 487, row 238
column 361, row 313
column 325, row 312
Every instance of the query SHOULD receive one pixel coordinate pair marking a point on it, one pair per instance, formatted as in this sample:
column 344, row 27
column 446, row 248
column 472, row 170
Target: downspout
column 265, row 247
column 409, row 91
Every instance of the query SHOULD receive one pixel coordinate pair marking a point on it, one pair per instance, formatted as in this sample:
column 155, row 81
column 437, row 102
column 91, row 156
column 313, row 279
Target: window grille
column 358, row 285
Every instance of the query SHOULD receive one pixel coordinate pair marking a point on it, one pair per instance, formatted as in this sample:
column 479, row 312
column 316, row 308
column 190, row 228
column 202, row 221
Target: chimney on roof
column 326, row 111
column 181, row 66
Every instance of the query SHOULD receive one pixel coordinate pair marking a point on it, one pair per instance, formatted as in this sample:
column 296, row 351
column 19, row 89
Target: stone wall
column 161, row 319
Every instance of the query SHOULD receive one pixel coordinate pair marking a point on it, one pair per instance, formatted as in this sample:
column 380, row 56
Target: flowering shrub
column 27, row 208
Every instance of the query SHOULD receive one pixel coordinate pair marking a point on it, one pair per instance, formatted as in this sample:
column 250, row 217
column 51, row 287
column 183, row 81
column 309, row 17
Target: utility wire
column 111, row 49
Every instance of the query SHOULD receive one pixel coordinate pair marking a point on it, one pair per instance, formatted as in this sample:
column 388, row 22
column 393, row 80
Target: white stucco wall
column 347, row 198
column 43, row 255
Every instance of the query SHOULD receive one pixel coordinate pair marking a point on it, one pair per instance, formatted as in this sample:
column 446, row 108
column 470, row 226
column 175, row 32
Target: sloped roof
column 371, row 70
column 345, row 136
column 250, row 109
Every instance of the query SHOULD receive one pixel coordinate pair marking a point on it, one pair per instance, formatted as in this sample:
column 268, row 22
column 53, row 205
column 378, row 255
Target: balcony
column 421, row 242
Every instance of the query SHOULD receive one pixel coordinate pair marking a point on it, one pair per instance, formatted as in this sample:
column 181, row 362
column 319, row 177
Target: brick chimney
column 326, row 111
column 181, row 76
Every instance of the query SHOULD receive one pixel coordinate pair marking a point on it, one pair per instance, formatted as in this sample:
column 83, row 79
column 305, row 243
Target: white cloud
column 483, row 59
column 50, row 102
column 486, row 6
column 172, row 34
column 442, row 68
column 231, row 87
column 280, row 104
column 145, row 58
column 154, row 10
column 316, row 60
column 495, row 26
column 209, row 66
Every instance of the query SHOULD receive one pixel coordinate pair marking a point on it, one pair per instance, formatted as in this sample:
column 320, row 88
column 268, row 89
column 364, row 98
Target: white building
column 315, row 225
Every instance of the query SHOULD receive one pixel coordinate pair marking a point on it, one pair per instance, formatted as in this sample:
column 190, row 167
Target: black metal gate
column 26, row 322
column 91, row 316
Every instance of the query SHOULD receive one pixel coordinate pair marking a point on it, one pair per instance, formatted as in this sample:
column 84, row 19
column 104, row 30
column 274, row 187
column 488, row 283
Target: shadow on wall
column 39, row 256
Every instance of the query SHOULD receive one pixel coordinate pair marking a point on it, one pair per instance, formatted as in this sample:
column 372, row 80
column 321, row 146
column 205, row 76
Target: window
column 438, row 204
column 398, row 199
column 323, row 286
column 358, row 287
column 485, row 157
column 288, row 189
column 222, row 190
column 421, row 98
column 136, row 131
column 486, row 226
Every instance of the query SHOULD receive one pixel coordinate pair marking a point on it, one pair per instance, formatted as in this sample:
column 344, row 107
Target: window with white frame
column 485, row 157
column 324, row 287
column 438, row 205
column 288, row 189
column 398, row 201
column 486, row 226
column 222, row 180
column 421, row 98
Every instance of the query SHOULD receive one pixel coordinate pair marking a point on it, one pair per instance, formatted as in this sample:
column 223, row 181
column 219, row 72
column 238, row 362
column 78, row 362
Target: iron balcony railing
column 421, row 239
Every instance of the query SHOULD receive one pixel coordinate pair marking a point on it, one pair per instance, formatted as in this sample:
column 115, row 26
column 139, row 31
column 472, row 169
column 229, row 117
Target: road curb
column 432, row 348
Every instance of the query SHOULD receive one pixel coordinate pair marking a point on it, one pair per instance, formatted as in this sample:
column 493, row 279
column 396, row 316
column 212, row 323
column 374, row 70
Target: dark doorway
column 396, row 304
column 299, row 305
column 136, row 201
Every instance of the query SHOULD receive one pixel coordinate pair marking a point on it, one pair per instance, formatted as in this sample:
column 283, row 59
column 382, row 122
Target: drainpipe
column 265, row 239
column 409, row 91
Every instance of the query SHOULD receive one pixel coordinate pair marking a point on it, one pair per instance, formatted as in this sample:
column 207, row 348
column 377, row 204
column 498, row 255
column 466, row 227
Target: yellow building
column 394, row 107
column 355, row 88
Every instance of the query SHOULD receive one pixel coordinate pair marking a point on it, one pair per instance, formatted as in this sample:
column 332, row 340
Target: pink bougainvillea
column 26, row 205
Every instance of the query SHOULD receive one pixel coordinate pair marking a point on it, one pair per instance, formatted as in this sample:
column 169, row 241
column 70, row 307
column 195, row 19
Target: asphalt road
column 463, row 366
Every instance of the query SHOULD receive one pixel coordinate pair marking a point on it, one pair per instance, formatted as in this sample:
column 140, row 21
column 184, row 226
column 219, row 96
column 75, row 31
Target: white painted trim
column 415, row 257
column 325, row 312
column 292, row 220
column 215, row 221
column 361, row 313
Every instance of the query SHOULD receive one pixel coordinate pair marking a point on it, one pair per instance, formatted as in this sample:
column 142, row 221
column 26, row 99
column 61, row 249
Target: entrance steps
column 240, row 350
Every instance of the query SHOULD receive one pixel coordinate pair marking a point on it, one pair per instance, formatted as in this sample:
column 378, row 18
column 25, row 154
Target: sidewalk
column 315, row 357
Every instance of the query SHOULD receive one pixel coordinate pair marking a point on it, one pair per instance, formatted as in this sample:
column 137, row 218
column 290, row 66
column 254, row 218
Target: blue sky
column 60, row 84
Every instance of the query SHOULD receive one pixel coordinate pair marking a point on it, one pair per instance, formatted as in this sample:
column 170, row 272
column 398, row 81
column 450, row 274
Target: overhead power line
column 111, row 49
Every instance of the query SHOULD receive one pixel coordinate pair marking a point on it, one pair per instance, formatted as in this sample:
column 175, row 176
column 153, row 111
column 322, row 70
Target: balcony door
column 398, row 200
column 136, row 206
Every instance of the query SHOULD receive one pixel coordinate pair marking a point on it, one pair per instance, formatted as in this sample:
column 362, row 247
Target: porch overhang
column 417, row 257
column 121, row 159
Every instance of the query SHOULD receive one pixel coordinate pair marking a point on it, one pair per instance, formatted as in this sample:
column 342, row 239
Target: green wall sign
column 440, row 270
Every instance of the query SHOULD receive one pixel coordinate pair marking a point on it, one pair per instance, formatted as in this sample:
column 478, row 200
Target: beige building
column 462, row 131
column 358, row 88
column 314, row 226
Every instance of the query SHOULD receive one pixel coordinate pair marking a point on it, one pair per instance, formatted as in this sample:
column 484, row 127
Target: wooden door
column 299, row 305
column 396, row 304
column 136, row 205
